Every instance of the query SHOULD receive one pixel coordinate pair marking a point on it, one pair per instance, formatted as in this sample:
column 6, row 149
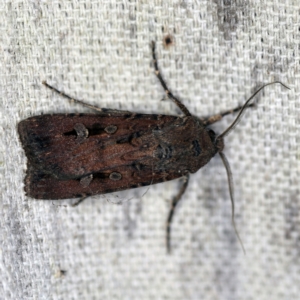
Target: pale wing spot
column 110, row 129
column 115, row 176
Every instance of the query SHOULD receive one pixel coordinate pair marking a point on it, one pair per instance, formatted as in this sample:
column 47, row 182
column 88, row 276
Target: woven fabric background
column 99, row 51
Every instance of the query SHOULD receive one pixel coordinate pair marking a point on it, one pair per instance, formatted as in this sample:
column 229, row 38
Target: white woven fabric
column 100, row 51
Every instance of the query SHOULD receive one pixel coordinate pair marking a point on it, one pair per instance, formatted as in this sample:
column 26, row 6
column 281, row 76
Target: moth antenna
column 231, row 192
column 242, row 111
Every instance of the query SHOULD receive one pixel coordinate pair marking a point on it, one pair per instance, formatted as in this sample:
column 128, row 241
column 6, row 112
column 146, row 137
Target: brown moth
column 79, row 155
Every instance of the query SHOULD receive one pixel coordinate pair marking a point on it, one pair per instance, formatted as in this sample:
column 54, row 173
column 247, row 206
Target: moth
column 79, row 155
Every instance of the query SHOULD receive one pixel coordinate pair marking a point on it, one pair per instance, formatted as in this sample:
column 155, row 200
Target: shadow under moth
column 79, row 155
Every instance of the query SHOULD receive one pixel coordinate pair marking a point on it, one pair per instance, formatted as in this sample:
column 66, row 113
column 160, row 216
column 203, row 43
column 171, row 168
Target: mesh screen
column 99, row 51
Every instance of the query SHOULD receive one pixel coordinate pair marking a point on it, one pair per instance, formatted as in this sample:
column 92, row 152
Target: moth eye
column 115, row 176
column 212, row 134
column 110, row 129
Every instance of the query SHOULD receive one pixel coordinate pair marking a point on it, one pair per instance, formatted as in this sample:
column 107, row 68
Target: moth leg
column 215, row 118
column 175, row 201
column 101, row 110
column 164, row 85
column 79, row 201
